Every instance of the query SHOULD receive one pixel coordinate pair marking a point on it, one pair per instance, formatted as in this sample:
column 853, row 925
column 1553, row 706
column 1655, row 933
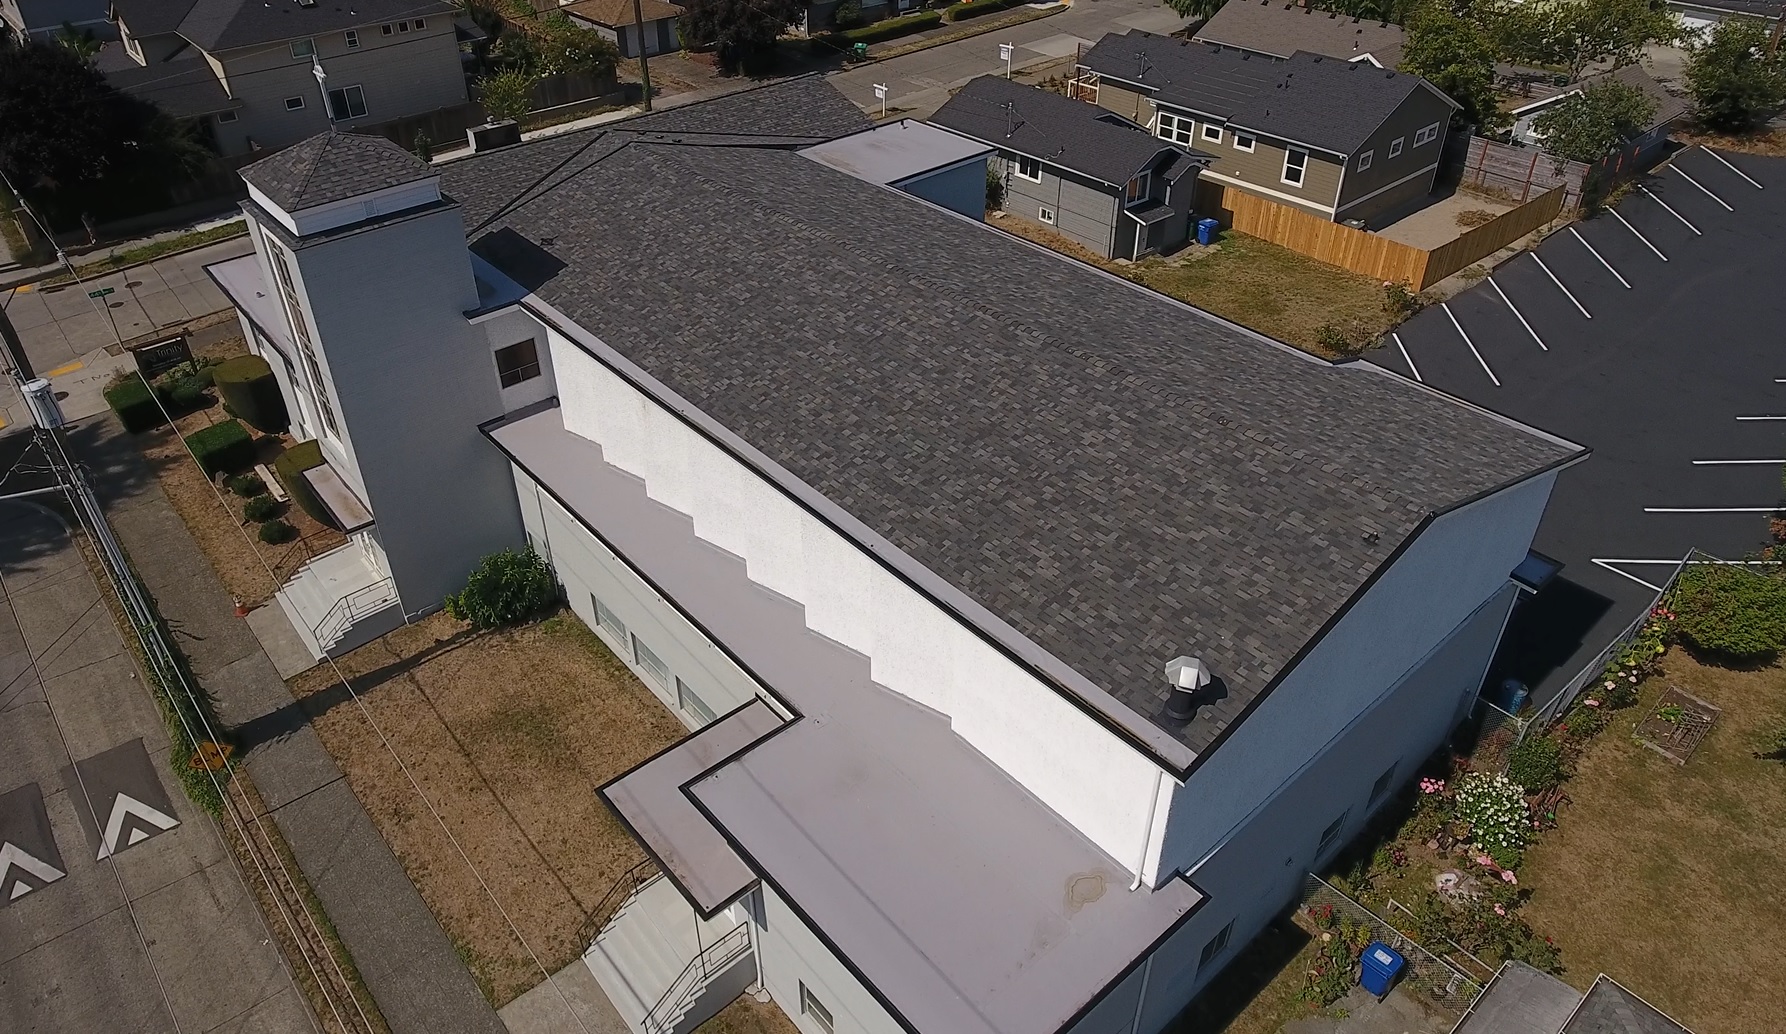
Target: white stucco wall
column 792, row 955
column 1085, row 773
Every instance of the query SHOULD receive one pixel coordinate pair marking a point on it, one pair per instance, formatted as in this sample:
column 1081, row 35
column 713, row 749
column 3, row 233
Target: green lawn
column 152, row 250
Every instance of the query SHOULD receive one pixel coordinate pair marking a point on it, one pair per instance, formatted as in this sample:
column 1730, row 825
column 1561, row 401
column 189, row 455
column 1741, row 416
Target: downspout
column 1153, row 806
column 1141, row 999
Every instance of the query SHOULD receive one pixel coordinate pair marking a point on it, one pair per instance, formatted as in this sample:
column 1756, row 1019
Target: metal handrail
column 693, row 979
column 331, row 627
column 630, row 882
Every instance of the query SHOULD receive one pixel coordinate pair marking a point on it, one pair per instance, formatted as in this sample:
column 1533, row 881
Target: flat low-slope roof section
column 896, row 152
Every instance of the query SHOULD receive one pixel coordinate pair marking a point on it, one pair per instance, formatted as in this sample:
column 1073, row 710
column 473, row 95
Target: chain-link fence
column 1427, row 975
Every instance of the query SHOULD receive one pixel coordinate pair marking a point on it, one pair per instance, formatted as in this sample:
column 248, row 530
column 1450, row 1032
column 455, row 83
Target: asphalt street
column 919, row 83
column 120, row 909
column 1648, row 333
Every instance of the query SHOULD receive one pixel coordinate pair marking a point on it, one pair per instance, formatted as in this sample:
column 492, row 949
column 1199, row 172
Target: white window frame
column 1395, row 146
column 691, row 703
column 1426, row 135
column 346, row 100
column 1017, row 168
column 304, row 55
column 352, row 38
column 1215, row 946
column 1177, row 128
column 650, row 663
column 1045, row 214
column 1212, row 133
column 387, row 30
column 1138, row 188
column 420, row 24
column 811, row 1006
column 521, row 373
column 403, row 26
column 299, row 106
column 1301, row 167
column 609, row 622
column 1250, row 139
column 1385, row 783
column 1365, row 158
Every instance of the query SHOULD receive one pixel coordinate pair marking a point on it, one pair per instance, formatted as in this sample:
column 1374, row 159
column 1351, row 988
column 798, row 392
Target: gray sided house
column 1701, row 16
column 1645, row 147
column 1096, row 178
column 1274, row 28
column 246, row 70
column 1345, row 140
column 43, row 18
column 616, row 21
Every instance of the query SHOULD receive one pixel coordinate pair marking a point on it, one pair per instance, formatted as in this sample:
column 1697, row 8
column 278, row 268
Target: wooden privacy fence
column 1368, row 253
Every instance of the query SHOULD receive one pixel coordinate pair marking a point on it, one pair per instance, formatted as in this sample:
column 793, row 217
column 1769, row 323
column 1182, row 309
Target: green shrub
column 892, row 28
column 848, row 14
column 1536, row 764
column 251, row 392
column 290, row 467
column 976, row 8
column 135, row 404
column 506, row 588
column 275, row 532
column 1730, row 612
column 247, row 485
column 261, row 508
column 222, row 447
column 184, row 390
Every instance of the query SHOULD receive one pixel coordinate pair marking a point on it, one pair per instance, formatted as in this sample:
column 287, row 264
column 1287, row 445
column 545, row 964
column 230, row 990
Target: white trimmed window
column 420, row 24
column 1216, row 945
column 1045, row 214
column 691, row 702
column 1395, row 146
column 1212, row 132
column 1295, row 166
column 402, row 26
column 386, row 29
column 303, row 49
column 1364, row 159
column 352, row 38
column 1244, row 141
column 347, row 102
column 609, row 622
column 1427, row 135
column 516, row 363
column 1382, row 785
column 811, row 1006
column 1138, row 187
column 226, row 117
column 1028, row 169
column 1176, row 128
column 294, row 104
column 653, row 665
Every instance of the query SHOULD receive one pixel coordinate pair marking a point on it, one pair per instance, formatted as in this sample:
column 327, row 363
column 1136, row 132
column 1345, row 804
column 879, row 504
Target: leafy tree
column 743, row 31
column 1455, row 54
column 1196, row 8
column 81, row 41
column 1734, row 81
column 1575, row 34
column 1394, row 11
column 507, row 94
column 1586, row 126
column 568, row 47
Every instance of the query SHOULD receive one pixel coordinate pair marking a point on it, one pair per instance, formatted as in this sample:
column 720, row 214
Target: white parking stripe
column 1641, row 237
column 1472, row 344
column 1602, row 258
column 1735, row 463
column 1608, row 565
column 1516, row 312
column 1701, row 186
column 1711, row 509
column 1405, row 355
column 1761, row 418
column 1560, row 287
column 1731, row 167
column 1671, row 211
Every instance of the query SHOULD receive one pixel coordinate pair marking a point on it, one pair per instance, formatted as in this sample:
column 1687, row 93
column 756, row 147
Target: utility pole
column 644, row 66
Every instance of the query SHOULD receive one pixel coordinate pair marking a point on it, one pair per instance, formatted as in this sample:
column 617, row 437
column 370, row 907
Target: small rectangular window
column 1295, row 164
column 1212, row 132
column 1395, row 146
column 1364, row 159
column 352, row 38
column 1216, row 945
column 226, row 117
column 644, row 658
column 402, row 26
column 518, row 362
column 811, row 1006
column 1427, row 135
column 1382, row 785
column 609, row 621
column 1029, row 169
column 1176, row 128
column 386, row 29
column 1045, row 214
column 691, row 702
column 1330, row 836
column 303, row 49
column 294, row 103
column 1244, row 142
column 420, row 24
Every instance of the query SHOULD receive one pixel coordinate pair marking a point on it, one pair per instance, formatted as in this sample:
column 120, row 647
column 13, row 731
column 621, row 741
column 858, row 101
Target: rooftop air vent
column 306, row 3
column 1186, row 675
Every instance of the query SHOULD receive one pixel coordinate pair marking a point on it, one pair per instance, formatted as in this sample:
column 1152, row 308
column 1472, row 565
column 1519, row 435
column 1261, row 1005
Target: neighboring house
column 941, row 167
column 379, row 60
column 1273, row 28
column 1646, row 146
column 1095, row 177
column 913, row 524
column 46, row 18
column 615, row 20
column 1704, row 15
column 1344, row 140
column 1523, row 1000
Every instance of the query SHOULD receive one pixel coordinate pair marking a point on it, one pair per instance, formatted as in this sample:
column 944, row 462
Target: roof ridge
column 315, row 163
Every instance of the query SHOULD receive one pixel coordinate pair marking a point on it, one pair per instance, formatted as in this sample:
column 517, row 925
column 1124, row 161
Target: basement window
column 608, row 621
column 1216, row 945
column 811, row 1006
column 1045, row 214
column 1330, row 836
column 651, row 662
column 690, row 701
column 518, row 362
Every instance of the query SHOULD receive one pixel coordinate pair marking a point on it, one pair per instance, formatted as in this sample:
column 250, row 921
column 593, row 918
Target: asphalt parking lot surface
column 1649, row 333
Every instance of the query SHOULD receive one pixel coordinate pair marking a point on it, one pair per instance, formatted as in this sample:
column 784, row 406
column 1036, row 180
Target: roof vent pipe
column 1186, row 675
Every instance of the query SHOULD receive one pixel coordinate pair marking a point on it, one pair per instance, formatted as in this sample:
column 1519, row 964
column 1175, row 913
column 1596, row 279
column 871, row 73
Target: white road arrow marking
column 127, row 806
column 10, row 855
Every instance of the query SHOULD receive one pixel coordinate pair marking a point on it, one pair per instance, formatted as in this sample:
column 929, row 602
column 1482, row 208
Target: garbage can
column 1207, row 229
column 1378, row 967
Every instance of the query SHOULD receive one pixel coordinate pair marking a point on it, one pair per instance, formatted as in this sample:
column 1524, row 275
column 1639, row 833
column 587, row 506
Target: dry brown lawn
column 748, row 1016
column 1769, row 142
column 507, row 734
column 1667, row 877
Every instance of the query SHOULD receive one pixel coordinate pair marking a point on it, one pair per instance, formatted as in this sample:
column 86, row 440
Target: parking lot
column 1649, row 333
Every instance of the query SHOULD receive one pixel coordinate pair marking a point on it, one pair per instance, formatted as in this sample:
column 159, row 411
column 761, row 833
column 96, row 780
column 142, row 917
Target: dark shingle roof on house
column 1611, row 1009
column 151, row 17
column 1120, row 478
column 223, row 24
column 183, row 87
column 1280, row 29
column 332, row 166
column 1070, row 134
column 611, row 13
column 1326, row 103
column 806, row 106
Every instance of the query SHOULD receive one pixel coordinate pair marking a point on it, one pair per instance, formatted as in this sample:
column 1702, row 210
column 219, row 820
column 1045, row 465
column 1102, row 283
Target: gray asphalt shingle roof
column 1326, row 103
column 1120, row 478
column 1611, row 1009
column 1071, row 134
column 1280, row 29
column 332, row 166
column 223, row 24
column 1668, row 106
column 183, row 87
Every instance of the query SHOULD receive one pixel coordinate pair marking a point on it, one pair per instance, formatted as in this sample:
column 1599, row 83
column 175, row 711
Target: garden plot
column 1677, row 725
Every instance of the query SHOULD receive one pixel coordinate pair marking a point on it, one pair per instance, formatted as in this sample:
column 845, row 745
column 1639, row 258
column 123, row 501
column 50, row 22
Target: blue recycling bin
column 1207, row 229
column 1378, row 967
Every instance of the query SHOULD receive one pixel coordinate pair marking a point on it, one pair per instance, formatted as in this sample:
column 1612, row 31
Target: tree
column 1455, row 54
column 1196, row 8
column 742, row 31
column 568, row 47
column 508, row 94
column 1586, row 126
column 1734, row 81
column 1575, row 34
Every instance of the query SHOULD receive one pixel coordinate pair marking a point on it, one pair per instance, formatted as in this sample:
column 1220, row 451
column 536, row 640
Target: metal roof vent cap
column 1186, row 675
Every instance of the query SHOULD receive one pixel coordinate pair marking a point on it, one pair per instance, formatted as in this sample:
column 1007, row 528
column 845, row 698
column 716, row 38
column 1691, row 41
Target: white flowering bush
column 1495, row 808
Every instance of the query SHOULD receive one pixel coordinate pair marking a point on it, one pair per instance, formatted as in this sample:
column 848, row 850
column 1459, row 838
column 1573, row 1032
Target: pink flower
column 1507, row 874
column 1611, row 685
column 1591, row 702
column 1483, row 859
column 1500, row 910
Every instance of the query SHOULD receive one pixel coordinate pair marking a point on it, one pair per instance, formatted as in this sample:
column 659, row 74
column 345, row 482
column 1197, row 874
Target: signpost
column 1004, row 54
column 880, row 93
column 102, row 292
column 158, row 357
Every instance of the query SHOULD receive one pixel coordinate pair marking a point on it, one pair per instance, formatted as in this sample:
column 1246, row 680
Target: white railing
column 694, row 978
column 351, row 608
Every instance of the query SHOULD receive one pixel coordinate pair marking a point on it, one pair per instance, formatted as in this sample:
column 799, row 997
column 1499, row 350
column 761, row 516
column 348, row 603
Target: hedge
column 290, row 467
column 135, row 404
column 1730, row 613
column 250, row 391
column 975, row 8
column 892, row 28
column 222, row 447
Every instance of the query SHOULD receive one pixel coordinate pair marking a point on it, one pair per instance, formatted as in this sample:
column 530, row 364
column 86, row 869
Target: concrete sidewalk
column 407, row 962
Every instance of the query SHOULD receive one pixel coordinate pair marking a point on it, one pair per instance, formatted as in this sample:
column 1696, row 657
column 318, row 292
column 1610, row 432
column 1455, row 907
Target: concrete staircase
column 651, row 942
column 338, row 601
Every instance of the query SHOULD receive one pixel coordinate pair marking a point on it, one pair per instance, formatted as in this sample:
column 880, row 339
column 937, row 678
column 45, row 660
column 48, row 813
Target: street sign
column 102, row 292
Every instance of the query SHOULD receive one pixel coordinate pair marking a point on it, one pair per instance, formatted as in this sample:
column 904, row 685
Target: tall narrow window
column 653, row 665
column 347, row 102
column 1295, row 164
column 691, row 702
column 811, row 1006
column 1330, row 836
column 300, row 332
column 608, row 621
column 1216, row 945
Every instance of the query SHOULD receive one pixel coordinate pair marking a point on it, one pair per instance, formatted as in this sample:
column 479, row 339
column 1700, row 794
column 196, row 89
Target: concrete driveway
column 120, row 909
column 919, row 83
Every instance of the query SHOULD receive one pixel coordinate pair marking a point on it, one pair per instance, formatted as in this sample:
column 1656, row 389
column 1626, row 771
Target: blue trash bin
column 1207, row 229
column 1378, row 967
